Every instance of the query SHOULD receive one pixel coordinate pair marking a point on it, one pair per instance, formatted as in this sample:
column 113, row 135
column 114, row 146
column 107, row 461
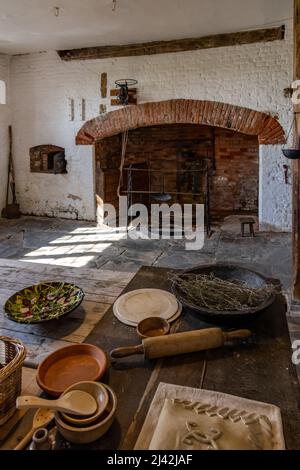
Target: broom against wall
column 12, row 210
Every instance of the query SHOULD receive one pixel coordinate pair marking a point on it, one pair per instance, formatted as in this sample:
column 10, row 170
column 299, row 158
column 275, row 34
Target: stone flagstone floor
column 78, row 243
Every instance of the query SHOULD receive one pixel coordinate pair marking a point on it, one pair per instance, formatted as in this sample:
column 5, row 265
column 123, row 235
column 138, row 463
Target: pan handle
column 237, row 334
column 127, row 351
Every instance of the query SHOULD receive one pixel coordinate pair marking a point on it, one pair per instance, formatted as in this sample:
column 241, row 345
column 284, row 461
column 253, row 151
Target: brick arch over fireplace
column 212, row 113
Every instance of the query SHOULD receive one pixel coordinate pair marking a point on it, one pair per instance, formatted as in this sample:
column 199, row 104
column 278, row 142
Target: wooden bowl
column 70, row 365
column 91, row 433
column 99, row 392
column 227, row 272
column 153, row 326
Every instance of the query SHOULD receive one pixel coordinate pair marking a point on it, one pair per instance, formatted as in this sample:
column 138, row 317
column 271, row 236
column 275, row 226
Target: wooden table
column 259, row 370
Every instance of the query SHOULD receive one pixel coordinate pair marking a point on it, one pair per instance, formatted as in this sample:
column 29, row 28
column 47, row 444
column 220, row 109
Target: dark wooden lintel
column 177, row 45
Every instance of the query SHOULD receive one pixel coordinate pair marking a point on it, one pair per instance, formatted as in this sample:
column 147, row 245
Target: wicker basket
column 12, row 355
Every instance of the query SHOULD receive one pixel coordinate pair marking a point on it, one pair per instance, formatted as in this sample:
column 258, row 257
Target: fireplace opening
column 182, row 163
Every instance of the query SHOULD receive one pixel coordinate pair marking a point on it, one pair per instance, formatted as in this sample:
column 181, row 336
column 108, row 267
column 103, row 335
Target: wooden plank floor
column 101, row 288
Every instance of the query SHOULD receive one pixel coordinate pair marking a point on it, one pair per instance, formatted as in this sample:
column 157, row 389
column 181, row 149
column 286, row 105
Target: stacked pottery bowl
column 87, row 429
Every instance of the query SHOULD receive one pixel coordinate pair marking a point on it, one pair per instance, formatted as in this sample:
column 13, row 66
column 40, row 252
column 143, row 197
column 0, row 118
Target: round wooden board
column 135, row 306
column 171, row 320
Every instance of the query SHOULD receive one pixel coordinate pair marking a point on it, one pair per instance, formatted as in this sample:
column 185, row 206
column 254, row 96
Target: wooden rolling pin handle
column 129, row 351
column 237, row 334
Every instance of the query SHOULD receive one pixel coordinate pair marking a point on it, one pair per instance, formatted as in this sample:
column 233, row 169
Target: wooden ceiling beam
column 177, row 45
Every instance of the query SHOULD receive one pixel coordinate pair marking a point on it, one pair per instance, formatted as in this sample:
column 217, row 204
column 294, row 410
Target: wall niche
column 47, row 159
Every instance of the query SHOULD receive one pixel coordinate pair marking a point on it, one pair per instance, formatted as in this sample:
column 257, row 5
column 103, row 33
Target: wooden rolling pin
column 181, row 343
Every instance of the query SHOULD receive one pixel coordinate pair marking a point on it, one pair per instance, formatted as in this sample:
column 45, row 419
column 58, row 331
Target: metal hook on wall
column 286, row 171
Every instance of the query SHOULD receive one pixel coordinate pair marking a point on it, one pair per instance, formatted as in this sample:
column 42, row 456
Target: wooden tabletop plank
column 87, row 273
column 38, row 347
column 25, row 279
column 75, row 327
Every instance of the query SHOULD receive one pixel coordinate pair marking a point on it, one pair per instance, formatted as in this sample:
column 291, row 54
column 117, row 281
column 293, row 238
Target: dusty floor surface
column 77, row 243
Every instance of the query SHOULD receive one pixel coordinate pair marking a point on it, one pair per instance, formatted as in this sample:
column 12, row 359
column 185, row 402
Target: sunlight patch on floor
column 75, row 261
column 77, row 248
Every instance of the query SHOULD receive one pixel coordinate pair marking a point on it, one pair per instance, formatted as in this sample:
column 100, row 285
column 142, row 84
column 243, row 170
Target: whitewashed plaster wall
column 4, row 123
column 253, row 76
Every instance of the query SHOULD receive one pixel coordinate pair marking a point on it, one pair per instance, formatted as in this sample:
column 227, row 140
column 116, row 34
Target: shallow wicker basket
column 12, row 355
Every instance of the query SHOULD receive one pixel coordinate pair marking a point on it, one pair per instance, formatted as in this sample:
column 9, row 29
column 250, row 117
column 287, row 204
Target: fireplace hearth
column 190, row 163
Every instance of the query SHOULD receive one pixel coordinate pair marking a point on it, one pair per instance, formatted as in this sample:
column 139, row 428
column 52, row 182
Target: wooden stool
column 250, row 222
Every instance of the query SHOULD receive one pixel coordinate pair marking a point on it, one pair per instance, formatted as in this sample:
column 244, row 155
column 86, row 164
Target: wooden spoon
column 41, row 419
column 75, row 402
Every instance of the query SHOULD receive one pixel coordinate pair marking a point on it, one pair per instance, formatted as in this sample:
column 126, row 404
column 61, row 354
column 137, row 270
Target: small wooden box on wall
column 132, row 99
column 47, row 159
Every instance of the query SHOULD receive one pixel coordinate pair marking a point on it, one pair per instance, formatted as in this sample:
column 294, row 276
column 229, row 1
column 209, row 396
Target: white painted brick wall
column 4, row 123
column 252, row 75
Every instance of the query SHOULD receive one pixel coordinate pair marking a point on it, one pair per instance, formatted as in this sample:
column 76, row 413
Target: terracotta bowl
column 99, row 392
column 70, row 365
column 93, row 432
column 153, row 326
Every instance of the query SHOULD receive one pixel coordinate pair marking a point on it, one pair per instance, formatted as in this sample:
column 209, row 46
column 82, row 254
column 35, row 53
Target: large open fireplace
column 183, row 151
column 188, row 162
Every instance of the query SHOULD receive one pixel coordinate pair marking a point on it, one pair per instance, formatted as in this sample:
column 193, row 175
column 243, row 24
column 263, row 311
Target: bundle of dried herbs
column 211, row 292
